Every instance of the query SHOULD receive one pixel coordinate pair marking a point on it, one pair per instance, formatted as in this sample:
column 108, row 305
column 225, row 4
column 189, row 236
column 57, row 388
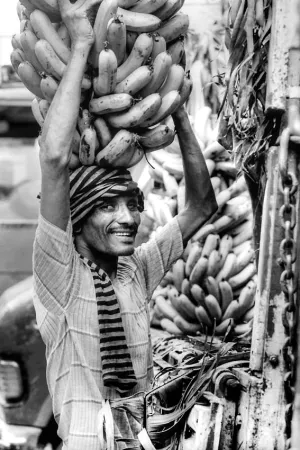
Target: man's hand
column 75, row 15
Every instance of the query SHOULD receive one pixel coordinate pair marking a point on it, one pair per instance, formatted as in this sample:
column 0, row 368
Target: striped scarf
column 117, row 369
column 89, row 185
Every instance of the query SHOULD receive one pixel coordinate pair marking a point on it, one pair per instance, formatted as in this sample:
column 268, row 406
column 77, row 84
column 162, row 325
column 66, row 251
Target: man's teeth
column 123, row 233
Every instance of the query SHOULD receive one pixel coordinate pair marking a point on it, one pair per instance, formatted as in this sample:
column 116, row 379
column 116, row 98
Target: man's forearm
column 60, row 123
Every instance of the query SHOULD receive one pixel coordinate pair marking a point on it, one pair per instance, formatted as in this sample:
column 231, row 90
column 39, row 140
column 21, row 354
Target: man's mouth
column 124, row 233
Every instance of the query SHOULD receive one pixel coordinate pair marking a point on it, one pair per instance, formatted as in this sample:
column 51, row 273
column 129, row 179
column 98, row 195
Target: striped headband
column 89, row 185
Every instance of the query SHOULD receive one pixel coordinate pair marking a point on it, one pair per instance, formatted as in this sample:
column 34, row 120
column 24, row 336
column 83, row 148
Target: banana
column 88, row 146
column 223, row 197
column 75, row 146
column 198, row 294
column 84, row 120
column 25, row 24
column 137, row 114
column 174, row 168
column 187, row 327
column 186, row 308
column 232, row 310
column 27, row 5
column 48, row 87
column 173, row 81
column 246, row 224
column 139, row 54
column 116, row 38
column 199, row 270
column 193, row 256
column 225, row 247
column 238, row 187
column 242, row 247
column 214, row 263
column 203, row 232
column 135, row 81
column 211, row 243
column 165, row 307
column 157, row 137
column 242, row 277
column 224, row 327
column 106, row 80
column 248, row 315
column 63, row 33
column 185, row 288
column 159, row 46
column 17, row 56
column 169, row 326
column 138, row 21
column 28, row 40
column 106, row 11
column 176, row 49
column 30, row 78
column 104, row 134
column 246, row 298
column 74, row 162
column 44, row 29
column 174, row 27
column 210, row 164
column 110, row 103
column 172, row 295
column 169, row 104
column 161, row 66
column 170, row 184
column 120, row 143
column 227, row 168
column 178, row 273
column 223, row 223
column 131, row 37
column 15, row 41
column 243, row 329
column 49, row 7
column 226, row 294
column 244, row 235
column 136, row 157
column 243, row 259
column 228, row 267
column 169, row 9
column 52, row 64
column 180, row 198
column 148, row 6
column 20, row 8
column 202, row 316
column 211, row 287
column 44, row 106
column 213, row 308
column 215, row 181
column 36, row 112
column 127, row 4
column 124, row 158
column 213, row 150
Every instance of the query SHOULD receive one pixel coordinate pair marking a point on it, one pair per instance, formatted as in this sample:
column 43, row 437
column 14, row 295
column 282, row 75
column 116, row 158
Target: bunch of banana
column 134, row 80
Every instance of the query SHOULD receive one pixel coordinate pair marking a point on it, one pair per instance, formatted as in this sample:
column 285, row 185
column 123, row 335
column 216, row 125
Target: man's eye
column 133, row 206
column 107, row 207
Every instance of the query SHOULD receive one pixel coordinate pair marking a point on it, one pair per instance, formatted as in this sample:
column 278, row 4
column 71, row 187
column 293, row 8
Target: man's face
column 112, row 227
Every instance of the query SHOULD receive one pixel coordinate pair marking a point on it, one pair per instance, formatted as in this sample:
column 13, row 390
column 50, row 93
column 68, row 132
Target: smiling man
column 92, row 286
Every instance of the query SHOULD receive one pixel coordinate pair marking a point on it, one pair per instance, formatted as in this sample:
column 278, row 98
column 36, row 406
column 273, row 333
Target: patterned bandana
column 90, row 184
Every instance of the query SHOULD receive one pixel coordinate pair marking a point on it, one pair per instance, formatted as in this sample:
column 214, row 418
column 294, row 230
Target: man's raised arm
column 58, row 129
column 200, row 202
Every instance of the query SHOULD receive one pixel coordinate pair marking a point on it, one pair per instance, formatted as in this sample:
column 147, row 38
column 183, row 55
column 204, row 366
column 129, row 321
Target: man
column 91, row 286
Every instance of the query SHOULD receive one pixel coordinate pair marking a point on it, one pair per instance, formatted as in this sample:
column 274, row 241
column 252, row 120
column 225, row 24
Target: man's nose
column 125, row 215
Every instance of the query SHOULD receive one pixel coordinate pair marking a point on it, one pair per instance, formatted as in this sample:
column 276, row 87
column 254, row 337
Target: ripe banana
column 247, row 297
column 104, row 134
column 186, row 308
column 139, row 54
column 165, row 307
column 193, row 256
column 224, row 327
column 232, row 311
column 116, row 38
column 178, row 273
column 169, row 326
column 211, row 243
column 106, row 11
column 63, row 33
column 169, row 9
column 44, row 29
column 44, row 106
column 49, row 7
column 15, row 41
column 247, row 245
column 28, row 40
column 248, row 315
column 174, row 168
column 48, row 86
column 106, row 80
column 185, row 288
column 199, row 270
column 88, row 146
column 127, row 4
column 203, row 232
column 110, row 103
column 17, row 56
column 198, row 294
column 84, row 120
column 137, row 114
column 135, row 81
column 36, row 112
column 213, row 308
column 243, row 259
column 202, row 316
column 214, row 263
column 245, row 235
column 226, row 294
column 27, row 5
column 120, row 143
column 169, row 104
column 174, row 27
column 223, row 223
column 30, row 78
column 228, row 267
column 176, row 50
column 243, row 276
column 157, row 137
column 211, row 287
column 227, row 167
column 187, row 327
column 136, row 157
column 138, row 21
column 225, row 247
column 170, row 184
column 243, row 329
column 159, row 46
column 131, row 37
column 213, row 150
column 148, row 6
column 161, row 66
column 173, row 81
column 75, row 144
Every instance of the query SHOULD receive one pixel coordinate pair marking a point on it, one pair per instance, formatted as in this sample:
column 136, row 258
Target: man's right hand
column 75, row 15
